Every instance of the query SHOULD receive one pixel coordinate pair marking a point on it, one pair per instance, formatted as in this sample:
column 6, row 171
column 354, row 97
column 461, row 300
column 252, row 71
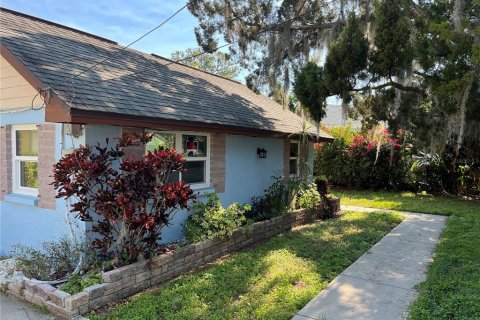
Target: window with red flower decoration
column 195, row 147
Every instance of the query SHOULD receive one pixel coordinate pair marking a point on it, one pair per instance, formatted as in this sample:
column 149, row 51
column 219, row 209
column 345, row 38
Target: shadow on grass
column 271, row 281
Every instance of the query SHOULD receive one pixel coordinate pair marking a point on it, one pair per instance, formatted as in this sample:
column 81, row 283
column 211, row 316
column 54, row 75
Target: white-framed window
column 293, row 160
column 196, row 148
column 25, row 159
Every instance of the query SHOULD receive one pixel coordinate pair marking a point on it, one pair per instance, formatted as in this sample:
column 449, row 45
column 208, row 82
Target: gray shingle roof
column 164, row 90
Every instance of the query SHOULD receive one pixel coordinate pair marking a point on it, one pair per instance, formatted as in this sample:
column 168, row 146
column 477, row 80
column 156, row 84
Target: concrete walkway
column 13, row 309
column 380, row 284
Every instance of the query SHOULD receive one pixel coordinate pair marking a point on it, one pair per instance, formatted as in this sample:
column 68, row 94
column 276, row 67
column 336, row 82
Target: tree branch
column 327, row 25
column 300, row 7
column 236, row 16
column 390, row 84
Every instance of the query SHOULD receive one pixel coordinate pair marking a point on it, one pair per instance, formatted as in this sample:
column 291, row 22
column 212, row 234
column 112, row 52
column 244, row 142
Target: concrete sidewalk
column 13, row 309
column 380, row 284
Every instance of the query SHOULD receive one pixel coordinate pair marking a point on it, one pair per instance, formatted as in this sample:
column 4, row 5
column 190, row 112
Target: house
column 335, row 116
column 51, row 102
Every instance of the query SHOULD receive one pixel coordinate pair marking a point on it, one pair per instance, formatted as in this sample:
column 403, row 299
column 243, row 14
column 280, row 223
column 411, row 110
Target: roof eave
column 109, row 118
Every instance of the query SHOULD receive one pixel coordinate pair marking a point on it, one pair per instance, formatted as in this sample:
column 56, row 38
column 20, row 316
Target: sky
column 120, row 21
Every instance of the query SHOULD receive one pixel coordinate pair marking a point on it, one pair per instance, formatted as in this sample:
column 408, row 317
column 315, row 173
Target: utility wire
column 130, row 44
column 139, row 72
column 198, row 54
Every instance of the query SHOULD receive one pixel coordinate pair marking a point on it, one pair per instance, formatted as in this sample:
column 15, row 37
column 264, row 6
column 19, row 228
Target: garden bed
column 125, row 281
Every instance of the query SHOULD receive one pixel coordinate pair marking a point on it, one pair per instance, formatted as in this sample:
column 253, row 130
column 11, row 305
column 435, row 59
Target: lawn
column 452, row 288
column 271, row 281
column 408, row 201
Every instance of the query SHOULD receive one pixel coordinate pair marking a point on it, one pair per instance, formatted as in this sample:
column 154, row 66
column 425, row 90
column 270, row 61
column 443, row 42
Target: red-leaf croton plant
column 126, row 201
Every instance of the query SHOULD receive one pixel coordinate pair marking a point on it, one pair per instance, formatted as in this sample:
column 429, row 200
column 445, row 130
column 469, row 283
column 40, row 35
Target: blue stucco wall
column 23, row 117
column 26, row 224
column 246, row 174
column 29, row 225
column 98, row 133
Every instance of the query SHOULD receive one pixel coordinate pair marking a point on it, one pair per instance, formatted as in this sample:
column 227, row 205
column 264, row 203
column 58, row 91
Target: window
column 25, row 159
column 161, row 140
column 293, row 167
column 196, row 150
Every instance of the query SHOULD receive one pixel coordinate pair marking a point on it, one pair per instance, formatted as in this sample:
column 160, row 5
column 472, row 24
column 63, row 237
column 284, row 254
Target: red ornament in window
column 192, row 147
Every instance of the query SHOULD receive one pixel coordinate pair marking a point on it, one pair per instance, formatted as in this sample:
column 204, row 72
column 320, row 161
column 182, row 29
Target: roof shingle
column 134, row 82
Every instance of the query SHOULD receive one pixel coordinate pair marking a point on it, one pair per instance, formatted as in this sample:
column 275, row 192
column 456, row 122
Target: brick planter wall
column 125, row 281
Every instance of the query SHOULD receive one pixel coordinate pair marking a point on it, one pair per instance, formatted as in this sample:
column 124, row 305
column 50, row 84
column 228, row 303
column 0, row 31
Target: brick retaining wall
column 125, row 281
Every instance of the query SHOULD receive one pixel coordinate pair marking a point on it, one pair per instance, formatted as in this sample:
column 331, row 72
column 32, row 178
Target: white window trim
column 16, row 188
column 179, row 148
column 293, row 175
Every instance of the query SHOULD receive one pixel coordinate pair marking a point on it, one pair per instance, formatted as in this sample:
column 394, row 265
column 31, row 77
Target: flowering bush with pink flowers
column 382, row 162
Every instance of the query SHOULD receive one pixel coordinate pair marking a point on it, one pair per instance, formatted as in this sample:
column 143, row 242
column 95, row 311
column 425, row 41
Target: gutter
column 80, row 116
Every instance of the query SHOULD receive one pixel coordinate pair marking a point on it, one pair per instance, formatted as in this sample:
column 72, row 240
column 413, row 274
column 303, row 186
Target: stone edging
column 125, row 281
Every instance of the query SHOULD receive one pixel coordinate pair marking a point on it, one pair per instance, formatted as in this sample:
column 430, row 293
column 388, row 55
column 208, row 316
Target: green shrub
column 54, row 261
column 308, row 196
column 210, row 220
column 76, row 283
column 331, row 161
column 446, row 172
column 347, row 133
column 275, row 201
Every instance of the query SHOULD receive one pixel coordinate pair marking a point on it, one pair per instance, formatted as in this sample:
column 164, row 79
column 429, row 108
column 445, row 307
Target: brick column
column 46, row 161
column 5, row 160
column 217, row 161
column 134, row 151
column 286, row 158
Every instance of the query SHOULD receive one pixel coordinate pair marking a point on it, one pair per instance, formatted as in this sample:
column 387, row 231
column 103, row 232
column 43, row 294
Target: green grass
column 41, row 309
column 452, row 288
column 271, row 281
column 408, row 201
